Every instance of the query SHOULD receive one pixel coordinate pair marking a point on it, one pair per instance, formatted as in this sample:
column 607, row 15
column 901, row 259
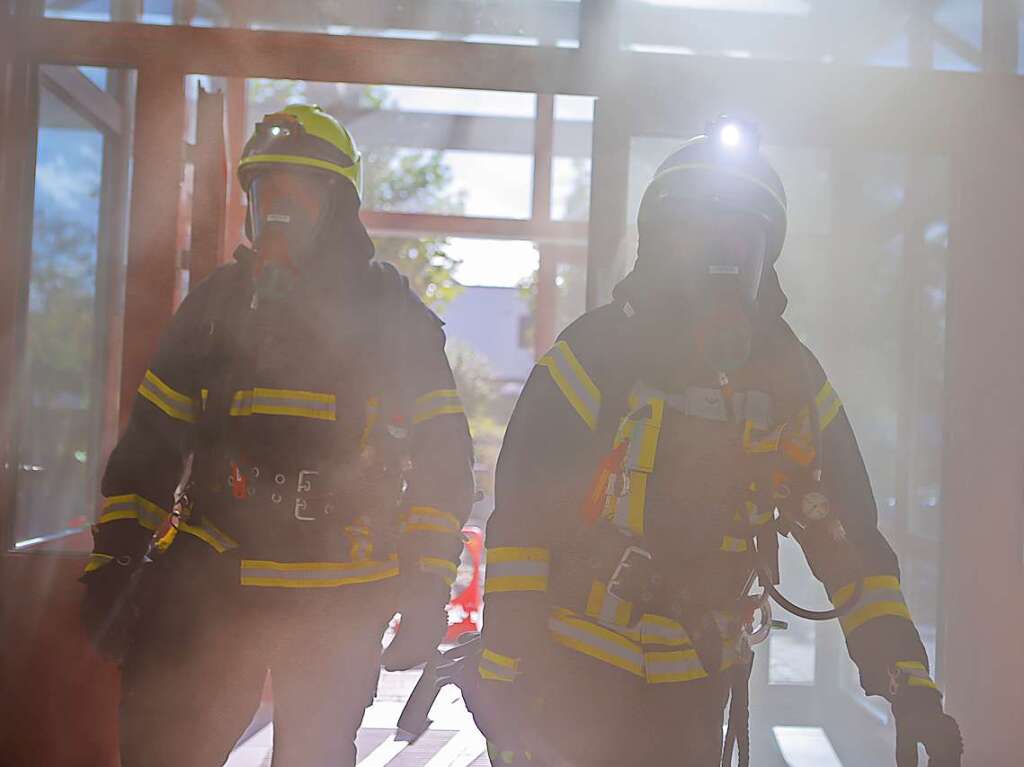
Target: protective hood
column 645, row 295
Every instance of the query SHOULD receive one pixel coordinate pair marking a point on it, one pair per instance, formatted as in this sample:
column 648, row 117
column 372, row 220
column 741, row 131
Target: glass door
column 69, row 372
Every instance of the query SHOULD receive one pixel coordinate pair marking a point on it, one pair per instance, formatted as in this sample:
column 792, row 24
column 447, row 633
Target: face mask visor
column 286, row 213
column 715, row 256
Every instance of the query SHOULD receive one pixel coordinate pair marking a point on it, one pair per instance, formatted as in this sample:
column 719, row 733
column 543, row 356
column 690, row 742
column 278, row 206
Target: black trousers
column 194, row 676
column 590, row 714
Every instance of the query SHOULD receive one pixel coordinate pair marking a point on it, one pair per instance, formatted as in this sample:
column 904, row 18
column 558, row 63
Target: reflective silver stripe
column 520, row 569
column 608, row 609
column 428, row 519
column 497, row 667
column 241, row 403
column 828, row 405
column 148, row 514
column 595, row 641
column 574, row 382
column 673, row 666
column 207, row 532
column 171, row 402
column 265, row 403
column 437, row 403
column 286, row 402
column 756, row 517
column 442, row 568
column 917, row 674
column 880, row 599
column 312, row 574
column 662, row 631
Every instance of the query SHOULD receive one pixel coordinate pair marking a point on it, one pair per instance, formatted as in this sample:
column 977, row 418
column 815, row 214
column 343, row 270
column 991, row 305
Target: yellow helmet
column 302, row 136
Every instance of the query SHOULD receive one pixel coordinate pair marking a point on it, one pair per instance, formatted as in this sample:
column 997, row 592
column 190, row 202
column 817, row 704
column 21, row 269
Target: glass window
column 510, row 22
column 69, row 376
column 570, row 164
column 875, row 32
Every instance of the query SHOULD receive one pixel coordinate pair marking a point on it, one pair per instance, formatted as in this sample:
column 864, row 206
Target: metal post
column 20, row 112
column 607, row 228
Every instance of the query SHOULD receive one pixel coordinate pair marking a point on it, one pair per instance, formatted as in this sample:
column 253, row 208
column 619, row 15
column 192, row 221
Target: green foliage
column 61, row 311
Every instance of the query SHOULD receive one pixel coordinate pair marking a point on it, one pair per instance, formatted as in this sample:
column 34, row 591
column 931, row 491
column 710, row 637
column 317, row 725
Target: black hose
column 813, row 615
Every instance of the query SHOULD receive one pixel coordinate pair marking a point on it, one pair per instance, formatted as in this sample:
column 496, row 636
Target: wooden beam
column 517, row 18
column 74, row 88
column 236, row 118
column 385, row 224
column 308, row 56
column 152, row 246
column 209, row 194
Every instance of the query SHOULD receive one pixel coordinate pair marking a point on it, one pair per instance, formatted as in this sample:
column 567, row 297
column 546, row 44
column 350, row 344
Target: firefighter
column 296, row 469
column 656, row 453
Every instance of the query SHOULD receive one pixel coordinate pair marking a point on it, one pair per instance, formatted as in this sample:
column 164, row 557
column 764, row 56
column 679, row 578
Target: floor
column 453, row 741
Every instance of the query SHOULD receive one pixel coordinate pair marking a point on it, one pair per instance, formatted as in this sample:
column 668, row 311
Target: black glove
column 110, row 608
column 423, row 626
column 920, row 719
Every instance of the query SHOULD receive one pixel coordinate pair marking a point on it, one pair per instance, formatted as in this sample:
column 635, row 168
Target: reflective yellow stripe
column 828, row 405
column 294, row 159
column 96, row 561
column 604, row 644
column 574, row 382
column 305, row 575
column 210, row 534
column 131, row 506
column 606, row 608
column 881, row 597
column 497, row 667
column 798, row 440
column 372, row 413
column 628, row 511
column 734, row 545
column 171, row 402
column 430, row 520
column 917, row 674
column 758, row 518
column 444, row 568
column 662, row 630
column 673, row 666
column 436, row 403
column 288, row 402
column 515, row 568
column 757, row 440
column 361, row 543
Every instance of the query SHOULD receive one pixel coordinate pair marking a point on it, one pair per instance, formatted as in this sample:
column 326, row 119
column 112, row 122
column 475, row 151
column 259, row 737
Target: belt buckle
column 617, row 583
